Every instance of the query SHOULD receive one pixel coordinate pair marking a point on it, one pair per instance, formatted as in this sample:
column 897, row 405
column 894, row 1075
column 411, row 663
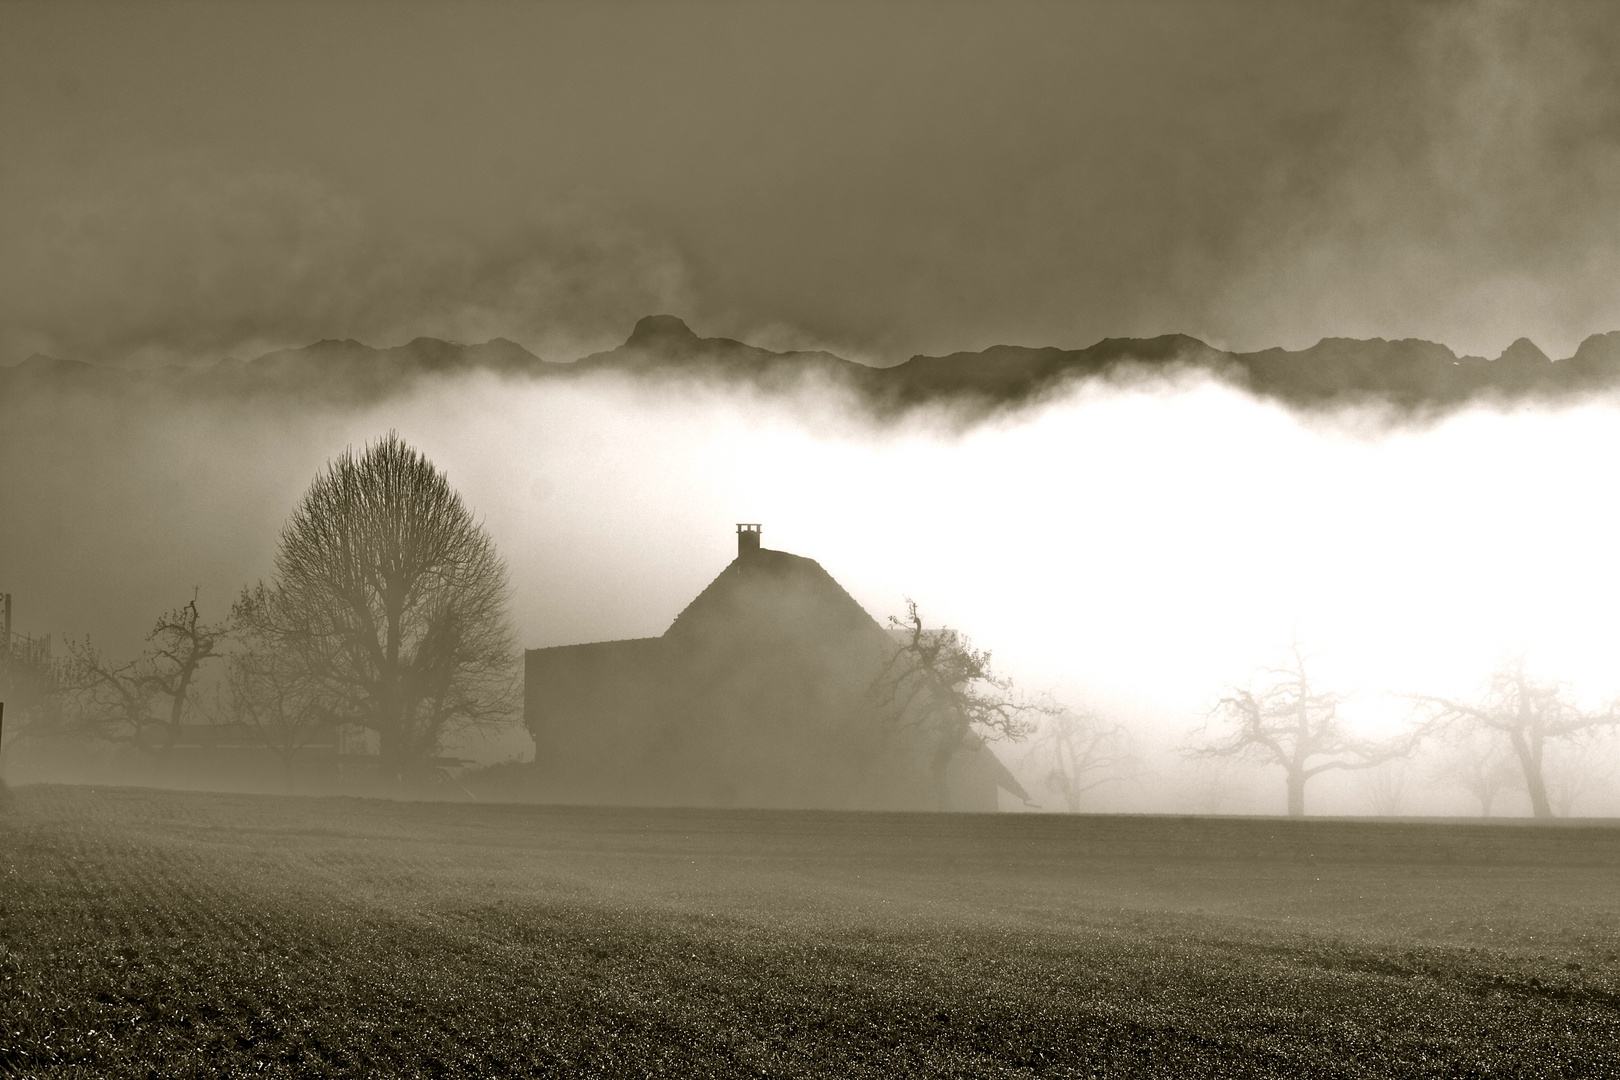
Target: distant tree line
column 386, row 614
column 1502, row 737
column 1520, row 732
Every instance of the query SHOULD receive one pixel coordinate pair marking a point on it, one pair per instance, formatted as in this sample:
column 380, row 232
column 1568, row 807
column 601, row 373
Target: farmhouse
column 758, row 694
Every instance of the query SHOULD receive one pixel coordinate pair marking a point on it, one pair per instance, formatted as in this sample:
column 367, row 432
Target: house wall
column 760, row 694
column 594, row 712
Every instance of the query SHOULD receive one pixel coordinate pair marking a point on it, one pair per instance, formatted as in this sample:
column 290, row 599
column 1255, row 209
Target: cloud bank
column 164, row 261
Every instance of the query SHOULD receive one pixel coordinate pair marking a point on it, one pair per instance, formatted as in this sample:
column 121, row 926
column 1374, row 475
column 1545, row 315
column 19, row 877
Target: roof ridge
column 764, row 558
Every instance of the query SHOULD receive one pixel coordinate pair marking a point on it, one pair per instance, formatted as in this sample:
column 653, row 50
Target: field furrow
column 151, row 933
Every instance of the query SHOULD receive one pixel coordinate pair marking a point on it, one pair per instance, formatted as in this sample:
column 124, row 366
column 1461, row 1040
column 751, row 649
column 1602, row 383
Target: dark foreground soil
column 148, row 933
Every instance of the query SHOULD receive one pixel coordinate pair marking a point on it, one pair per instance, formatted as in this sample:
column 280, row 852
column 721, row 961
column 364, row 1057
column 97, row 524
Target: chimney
column 747, row 540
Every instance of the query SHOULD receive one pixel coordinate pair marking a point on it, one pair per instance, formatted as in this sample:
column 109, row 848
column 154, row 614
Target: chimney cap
column 747, row 538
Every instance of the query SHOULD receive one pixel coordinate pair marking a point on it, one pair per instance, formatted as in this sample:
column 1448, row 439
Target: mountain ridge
column 1410, row 374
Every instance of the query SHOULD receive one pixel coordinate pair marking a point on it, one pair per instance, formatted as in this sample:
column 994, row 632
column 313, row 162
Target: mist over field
column 1131, row 545
column 1094, row 229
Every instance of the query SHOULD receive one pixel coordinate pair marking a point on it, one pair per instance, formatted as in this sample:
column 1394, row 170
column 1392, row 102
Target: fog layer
column 1128, row 547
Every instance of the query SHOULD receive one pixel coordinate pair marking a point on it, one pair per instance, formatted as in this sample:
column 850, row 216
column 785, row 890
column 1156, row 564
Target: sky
column 183, row 182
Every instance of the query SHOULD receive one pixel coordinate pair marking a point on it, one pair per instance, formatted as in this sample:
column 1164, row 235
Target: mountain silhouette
column 1409, row 374
column 663, row 345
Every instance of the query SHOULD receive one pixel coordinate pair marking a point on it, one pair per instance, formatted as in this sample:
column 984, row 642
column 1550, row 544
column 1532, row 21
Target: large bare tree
column 938, row 684
column 390, row 597
column 1284, row 717
column 1527, row 712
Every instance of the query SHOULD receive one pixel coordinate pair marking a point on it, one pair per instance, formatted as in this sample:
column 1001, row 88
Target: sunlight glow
column 1142, row 543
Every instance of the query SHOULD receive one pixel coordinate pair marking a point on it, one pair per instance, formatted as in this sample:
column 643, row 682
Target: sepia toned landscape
column 716, row 539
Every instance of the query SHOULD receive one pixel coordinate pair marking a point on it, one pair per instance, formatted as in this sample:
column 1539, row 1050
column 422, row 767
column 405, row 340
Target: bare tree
column 937, row 683
column 145, row 700
column 389, row 596
column 108, row 698
column 1479, row 765
column 32, row 685
column 1284, row 717
column 1212, row 789
column 1525, row 711
column 1385, row 787
column 31, row 693
column 277, row 700
column 1577, row 769
column 1079, row 752
column 181, row 643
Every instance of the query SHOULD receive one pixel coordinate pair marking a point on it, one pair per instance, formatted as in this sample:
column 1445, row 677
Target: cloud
column 175, row 259
column 1472, row 205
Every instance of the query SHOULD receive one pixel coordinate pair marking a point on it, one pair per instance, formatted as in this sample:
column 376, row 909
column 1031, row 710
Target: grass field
column 158, row 933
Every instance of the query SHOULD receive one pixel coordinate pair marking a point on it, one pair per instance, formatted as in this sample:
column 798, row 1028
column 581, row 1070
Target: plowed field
column 170, row 934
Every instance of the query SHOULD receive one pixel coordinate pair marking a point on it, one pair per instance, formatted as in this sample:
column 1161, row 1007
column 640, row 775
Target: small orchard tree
column 31, row 694
column 937, row 683
column 32, row 685
column 1077, row 752
column 1384, row 786
column 146, row 700
column 389, row 604
column 277, row 700
column 180, row 644
column 1478, row 764
column 1577, row 770
column 108, row 698
column 1530, row 714
column 1284, row 717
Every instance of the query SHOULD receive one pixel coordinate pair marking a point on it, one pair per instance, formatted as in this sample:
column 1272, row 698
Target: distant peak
column 660, row 330
column 1523, row 351
column 326, row 347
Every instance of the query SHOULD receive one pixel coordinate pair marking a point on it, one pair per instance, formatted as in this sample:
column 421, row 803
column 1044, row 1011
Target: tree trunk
column 1296, row 793
column 942, row 782
column 393, row 756
column 1534, row 783
column 1537, row 787
column 1303, row 744
column 940, row 766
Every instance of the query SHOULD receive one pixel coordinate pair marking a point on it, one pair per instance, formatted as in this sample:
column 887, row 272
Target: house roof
column 773, row 636
column 788, row 592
